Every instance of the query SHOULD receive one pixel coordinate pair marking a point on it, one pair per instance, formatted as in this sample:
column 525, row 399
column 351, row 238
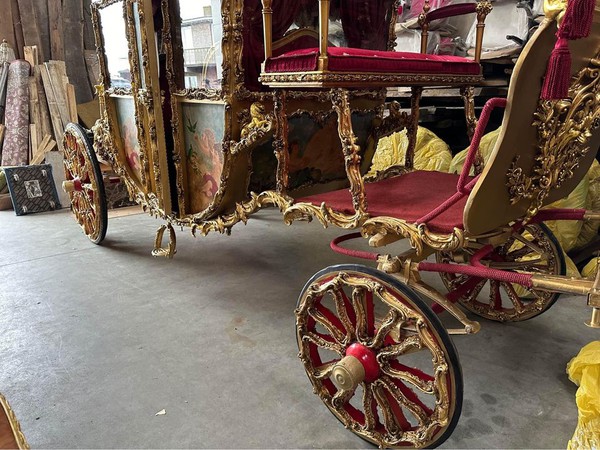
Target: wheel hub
column 360, row 364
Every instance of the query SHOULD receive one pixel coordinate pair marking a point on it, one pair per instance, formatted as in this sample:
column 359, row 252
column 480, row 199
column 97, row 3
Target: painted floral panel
column 204, row 128
column 129, row 133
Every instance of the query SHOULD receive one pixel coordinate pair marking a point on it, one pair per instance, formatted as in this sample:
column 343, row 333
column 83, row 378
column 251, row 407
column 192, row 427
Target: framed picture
column 32, row 189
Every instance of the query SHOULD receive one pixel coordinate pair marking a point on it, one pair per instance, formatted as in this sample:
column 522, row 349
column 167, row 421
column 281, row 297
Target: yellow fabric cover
column 589, row 229
column 431, row 153
column 584, row 371
column 589, row 271
column 567, row 231
column 485, row 149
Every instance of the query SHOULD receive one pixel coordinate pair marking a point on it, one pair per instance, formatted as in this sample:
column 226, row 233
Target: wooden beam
column 29, row 22
column 31, row 55
column 74, row 55
column 18, row 27
column 43, row 118
column 43, row 24
column 7, row 30
column 55, row 20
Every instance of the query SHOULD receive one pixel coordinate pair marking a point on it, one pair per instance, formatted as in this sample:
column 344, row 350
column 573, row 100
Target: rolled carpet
column 15, row 149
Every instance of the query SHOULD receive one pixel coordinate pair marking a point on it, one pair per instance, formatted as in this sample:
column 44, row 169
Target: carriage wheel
column 84, row 183
column 532, row 249
column 378, row 357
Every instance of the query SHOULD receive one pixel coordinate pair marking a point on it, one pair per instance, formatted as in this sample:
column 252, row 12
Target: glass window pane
column 201, row 35
column 115, row 45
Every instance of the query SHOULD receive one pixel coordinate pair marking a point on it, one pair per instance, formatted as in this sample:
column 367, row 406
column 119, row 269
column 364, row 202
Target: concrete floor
column 94, row 340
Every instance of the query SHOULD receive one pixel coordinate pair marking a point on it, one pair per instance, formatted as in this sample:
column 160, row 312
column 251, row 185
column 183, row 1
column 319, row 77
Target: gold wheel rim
column 86, row 204
column 391, row 411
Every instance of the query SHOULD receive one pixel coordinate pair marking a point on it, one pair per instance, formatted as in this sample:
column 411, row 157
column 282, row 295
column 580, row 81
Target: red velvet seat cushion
column 407, row 197
column 342, row 59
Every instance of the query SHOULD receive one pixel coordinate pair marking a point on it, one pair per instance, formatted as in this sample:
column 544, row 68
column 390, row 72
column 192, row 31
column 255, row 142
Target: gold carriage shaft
column 288, row 99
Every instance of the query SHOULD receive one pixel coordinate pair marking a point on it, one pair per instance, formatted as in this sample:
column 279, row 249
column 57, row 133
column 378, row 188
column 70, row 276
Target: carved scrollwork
column 259, row 120
column 319, row 79
column 440, row 241
column 564, row 128
column 324, row 214
column 398, row 227
column 242, row 212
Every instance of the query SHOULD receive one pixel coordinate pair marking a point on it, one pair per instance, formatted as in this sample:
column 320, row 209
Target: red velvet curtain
column 366, row 22
column 284, row 13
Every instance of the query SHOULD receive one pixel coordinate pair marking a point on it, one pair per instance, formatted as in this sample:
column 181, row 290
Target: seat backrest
column 545, row 147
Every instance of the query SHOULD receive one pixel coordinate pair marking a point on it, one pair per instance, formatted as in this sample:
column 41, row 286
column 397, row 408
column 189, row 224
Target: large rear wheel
column 84, row 183
column 378, row 357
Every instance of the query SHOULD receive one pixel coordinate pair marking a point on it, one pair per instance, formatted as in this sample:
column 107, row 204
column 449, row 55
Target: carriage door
column 130, row 98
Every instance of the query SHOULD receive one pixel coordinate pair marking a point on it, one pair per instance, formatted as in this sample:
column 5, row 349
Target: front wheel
column 378, row 357
column 84, row 183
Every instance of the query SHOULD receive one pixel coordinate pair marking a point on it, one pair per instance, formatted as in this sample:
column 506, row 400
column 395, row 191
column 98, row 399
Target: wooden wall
column 61, row 30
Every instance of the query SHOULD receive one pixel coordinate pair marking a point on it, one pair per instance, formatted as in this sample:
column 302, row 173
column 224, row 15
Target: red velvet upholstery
column 343, row 59
column 450, row 11
column 407, row 197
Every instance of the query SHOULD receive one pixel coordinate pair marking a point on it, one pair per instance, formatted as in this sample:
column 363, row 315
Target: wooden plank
column 18, row 27
column 89, row 40
column 55, row 20
column 41, row 15
column 33, row 142
column 7, row 30
column 44, row 123
column 74, row 55
column 29, row 22
column 57, row 72
column 38, row 153
column 93, row 67
column 34, row 114
column 72, row 103
column 55, row 116
column 31, row 55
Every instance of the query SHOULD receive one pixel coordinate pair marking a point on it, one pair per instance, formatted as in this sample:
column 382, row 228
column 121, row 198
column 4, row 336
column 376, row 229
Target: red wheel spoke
column 370, row 408
column 393, row 417
column 324, row 370
column 329, row 320
column 391, row 320
column 464, row 289
column 495, row 295
column 370, row 307
column 345, row 305
column 407, row 398
column 324, row 341
column 513, row 296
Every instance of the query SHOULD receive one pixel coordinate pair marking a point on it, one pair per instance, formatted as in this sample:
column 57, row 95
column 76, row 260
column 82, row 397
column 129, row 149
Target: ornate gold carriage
column 194, row 134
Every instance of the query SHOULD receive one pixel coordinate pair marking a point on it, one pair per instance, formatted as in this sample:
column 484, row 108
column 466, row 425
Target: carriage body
column 185, row 122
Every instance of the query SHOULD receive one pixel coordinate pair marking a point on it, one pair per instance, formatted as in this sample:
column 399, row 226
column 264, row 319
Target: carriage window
column 138, row 40
column 201, row 35
column 115, row 45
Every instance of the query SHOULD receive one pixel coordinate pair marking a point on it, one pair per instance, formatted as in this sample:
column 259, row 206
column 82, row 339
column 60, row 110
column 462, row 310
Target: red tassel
column 577, row 21
column 558, row 73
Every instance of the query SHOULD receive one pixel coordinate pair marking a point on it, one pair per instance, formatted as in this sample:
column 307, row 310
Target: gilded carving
column 348, row 322
column 564, row 128
column 14, row 424
column 321, row 79
column 259, row 120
